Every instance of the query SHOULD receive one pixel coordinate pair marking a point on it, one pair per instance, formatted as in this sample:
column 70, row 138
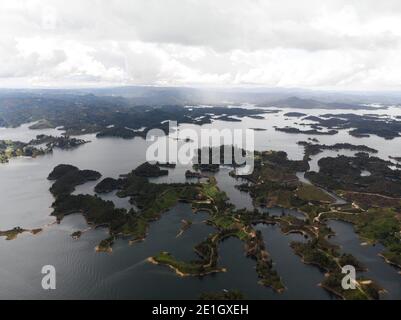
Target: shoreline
column 183, row 274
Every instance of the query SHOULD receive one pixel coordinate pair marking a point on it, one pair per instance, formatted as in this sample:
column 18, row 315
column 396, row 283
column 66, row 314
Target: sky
column 330, row 44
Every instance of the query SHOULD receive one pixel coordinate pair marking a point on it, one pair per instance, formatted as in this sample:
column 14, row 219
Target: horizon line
column 199, row 87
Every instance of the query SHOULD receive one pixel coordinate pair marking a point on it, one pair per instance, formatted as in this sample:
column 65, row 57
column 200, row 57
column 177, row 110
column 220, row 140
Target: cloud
column 19, row 63
column 309, row 43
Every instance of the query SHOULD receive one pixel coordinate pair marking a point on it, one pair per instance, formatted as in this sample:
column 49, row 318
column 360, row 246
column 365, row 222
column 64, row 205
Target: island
column 293, row 130
column 274, row 183
column 13, row 233
column 152, row 199
column 11, row 149
column 43, row 144
column 314, row 149
column 295, row 114
column 360, row 125
column 67, row 177
column 376, row 198
column 62, row 142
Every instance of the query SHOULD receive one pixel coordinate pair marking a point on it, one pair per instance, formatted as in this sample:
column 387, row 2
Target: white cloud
column 310, row 43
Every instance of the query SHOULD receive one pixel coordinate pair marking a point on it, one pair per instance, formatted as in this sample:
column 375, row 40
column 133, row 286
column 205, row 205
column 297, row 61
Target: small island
column 12, row 149
column 13, row 233
column 67, row 177
column 294, row 114
column 360, row 125
column 314, row 149
column 63, row 142
column 43, row 144
column 293, row 130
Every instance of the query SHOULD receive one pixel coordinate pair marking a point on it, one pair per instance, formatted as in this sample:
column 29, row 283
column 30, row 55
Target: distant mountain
column 266, row 97
column 295, row 102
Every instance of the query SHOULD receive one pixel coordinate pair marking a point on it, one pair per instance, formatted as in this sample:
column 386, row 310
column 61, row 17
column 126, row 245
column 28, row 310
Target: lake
column 82, row 273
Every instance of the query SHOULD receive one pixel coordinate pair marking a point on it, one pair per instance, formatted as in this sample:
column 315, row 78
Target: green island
column 370, row 185
column 67, row 177
column 374, row 225
column 62, row 142
column 76, row 234
column 118, row 117
column 43, row 144
column 12, row 149
column 295, row 114
column 346, row 174
column 13, row 233
column 314, row 149
column 152, row 200
column 360, row 125
column 273, row 183
column 314, row 131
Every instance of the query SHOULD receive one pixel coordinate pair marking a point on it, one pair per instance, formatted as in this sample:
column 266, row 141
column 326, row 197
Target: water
column 278, row 212
column 83, row 273
column 302, row 283
column 338, row 200
column 385, row 275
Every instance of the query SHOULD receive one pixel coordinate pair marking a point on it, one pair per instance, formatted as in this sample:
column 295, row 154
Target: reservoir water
column 125, row 273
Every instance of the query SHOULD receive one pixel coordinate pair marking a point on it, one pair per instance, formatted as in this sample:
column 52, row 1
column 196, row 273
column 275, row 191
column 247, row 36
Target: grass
column 182, row 267
column 12, row 234
column 377, row 225
column 312, row 193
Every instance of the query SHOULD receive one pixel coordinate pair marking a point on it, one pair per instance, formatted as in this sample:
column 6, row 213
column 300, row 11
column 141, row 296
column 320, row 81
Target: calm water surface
column 83, row 273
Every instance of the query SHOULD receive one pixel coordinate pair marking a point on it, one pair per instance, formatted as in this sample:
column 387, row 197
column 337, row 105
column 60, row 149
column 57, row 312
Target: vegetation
column 294, row 114
column 326, row 257
column 381, row 225
column 366, row 289
column 193, row 174
column 105, row 245
column 360, row 125
column 68, row 177
column 108, row 185
column 150, row 170
column 63, row 142
column 11, row 149
column 344, row 173
column 314, row 149
column 107, row 116
column 374, row 200
column 312, row 193
column 13, row 233
column 272, row 182
column 182, row 268
column 288, row 129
